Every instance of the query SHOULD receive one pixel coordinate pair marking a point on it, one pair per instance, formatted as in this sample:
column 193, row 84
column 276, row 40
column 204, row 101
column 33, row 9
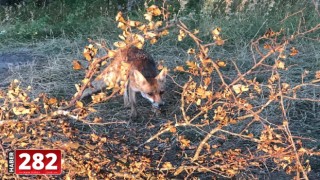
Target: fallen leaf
column 76, row 65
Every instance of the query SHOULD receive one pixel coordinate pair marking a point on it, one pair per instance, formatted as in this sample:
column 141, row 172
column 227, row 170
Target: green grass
column 28, row 22
column 81, row 18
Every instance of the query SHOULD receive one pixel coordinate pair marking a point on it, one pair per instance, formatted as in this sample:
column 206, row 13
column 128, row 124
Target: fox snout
column 154, row 98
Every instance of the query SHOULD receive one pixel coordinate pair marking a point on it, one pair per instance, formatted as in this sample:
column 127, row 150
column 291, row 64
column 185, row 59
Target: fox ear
column 162, row 75
column 139, row 78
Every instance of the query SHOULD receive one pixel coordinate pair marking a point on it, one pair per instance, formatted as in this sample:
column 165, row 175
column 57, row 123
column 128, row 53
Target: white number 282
column 38, row 161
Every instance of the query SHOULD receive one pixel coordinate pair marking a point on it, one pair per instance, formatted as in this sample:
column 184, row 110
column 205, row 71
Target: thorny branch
column 190, row 118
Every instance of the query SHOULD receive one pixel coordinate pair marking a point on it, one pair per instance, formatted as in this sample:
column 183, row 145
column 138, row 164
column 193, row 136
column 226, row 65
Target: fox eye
column 150, row 94
column 161, row 92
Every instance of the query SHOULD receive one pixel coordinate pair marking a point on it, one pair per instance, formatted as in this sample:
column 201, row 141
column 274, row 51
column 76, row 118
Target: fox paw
column 133, row 115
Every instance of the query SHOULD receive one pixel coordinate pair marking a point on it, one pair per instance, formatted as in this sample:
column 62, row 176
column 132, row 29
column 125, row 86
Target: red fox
column 142, row 77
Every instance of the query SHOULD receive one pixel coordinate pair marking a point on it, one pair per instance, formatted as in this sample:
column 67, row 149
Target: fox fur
column 141, row 76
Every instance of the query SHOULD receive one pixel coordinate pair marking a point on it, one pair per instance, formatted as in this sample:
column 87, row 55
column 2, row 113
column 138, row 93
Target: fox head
column 150, row 88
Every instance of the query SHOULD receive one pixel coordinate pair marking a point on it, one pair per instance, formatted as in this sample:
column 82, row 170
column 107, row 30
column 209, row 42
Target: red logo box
column 38, row 161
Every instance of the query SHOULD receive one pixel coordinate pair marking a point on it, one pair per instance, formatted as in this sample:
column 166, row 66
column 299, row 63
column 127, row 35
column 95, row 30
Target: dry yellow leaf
column 111, row 53
column 87, row 56
column 198, row 102
column 133, row 23
column 192, row 65
column 158, row 24
column 179, row 68
column 219, row 41
column 181, row 35
column 267, row 46
column 164, row 32
column 151, row 25
column 151, row 34
column 216, row 31
column 120, row 44
column 185, row 142
column 154, row 10
column 148, row 16
column 167, row 165
column 207, row 81
column 122, row 26
column 119, row 17
column 94, row 137
column 20, row 110
column 91, row 109
column 77, row 87
column 139, row 37
column 23, row 144
column 89, row 52
column 52, row 101
column 191, row 51
column 139, row 45
column 142, row 27
column 122, row 37
column 153, row 40
column 79, row 104
column 221, row 63
column 269, row 33
column 72, row 145
column 280, row 64
column 282, row 56
column 239, row 88
column 87, row 155
column 293, row 51
column 173, row 129
column 76, row 65
column 97, row 119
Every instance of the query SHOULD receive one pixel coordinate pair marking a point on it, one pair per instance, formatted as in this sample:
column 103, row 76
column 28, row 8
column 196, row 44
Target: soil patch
column 13, row 59
column 8, row 59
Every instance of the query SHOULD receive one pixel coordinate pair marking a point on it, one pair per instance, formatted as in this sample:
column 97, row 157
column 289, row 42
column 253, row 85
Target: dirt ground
column 13, row 59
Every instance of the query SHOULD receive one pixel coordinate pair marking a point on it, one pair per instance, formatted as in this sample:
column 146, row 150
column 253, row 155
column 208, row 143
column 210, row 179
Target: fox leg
column 132, row 101
column 126, row 95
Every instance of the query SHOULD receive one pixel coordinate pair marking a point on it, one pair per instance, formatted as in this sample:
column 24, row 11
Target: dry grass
column 51, row 72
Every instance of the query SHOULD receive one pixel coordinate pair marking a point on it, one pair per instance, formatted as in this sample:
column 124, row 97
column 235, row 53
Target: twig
column 288, row 132
column 89, row 76
column 202, row 143
column 293, row 14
